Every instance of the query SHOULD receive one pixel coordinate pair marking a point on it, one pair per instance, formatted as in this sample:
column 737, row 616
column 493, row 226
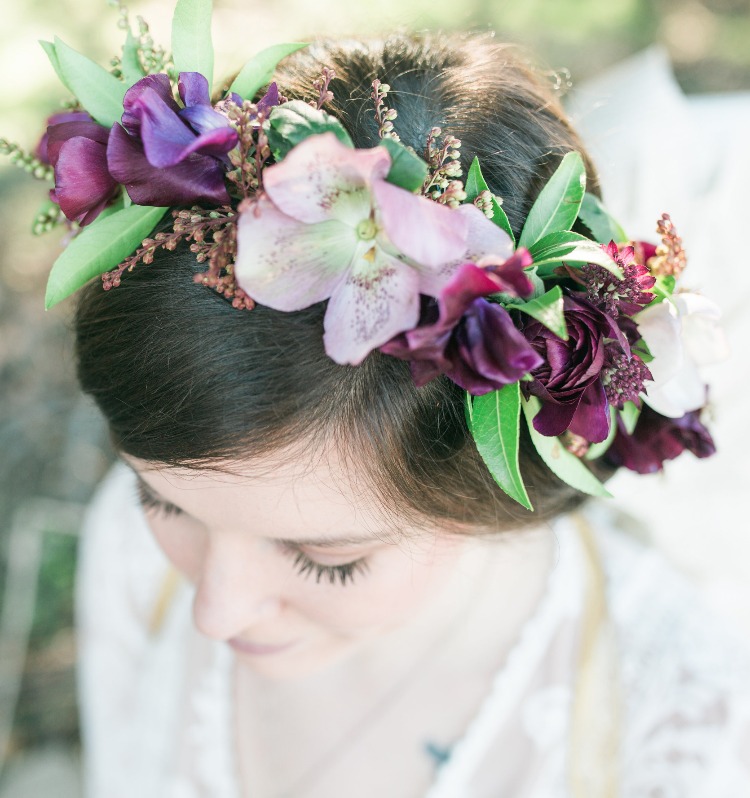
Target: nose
column 238, row 589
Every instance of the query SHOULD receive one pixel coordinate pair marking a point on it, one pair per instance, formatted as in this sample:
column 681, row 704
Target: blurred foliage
column 52, row 442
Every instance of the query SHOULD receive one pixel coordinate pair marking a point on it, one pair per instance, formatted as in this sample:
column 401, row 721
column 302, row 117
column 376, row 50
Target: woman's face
column 293, row 568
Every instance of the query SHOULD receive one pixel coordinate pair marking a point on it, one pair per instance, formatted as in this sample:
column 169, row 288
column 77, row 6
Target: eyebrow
column 319, row 542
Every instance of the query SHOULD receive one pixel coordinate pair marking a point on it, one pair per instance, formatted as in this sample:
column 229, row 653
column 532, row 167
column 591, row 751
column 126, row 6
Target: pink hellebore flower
column 330, row 226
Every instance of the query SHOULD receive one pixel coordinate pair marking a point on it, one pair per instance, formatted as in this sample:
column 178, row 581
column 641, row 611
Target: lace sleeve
column 685, row 681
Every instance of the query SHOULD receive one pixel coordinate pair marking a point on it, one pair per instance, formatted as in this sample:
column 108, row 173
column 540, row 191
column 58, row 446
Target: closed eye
column 149, row 502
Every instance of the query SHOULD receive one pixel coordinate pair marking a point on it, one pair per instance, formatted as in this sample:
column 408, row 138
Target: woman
column 375, row 610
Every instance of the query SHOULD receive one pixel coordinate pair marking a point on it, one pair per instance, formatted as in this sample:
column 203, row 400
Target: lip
column 259, row 649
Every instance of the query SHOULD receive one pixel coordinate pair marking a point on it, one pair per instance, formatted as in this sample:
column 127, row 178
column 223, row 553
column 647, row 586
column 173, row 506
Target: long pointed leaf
column 98, row 91
column 556, row 208
column 547, row 309
column 132, row 70
column 192, row 49
column 49, row 48
column 576, row 254
column 475, row 185
column 259, row 70
column 494, row 425
column 558, row 459
column 602, row 224
column 98, row 248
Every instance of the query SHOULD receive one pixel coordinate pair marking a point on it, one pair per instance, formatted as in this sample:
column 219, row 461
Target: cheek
column 399, row 582
column 183, row 543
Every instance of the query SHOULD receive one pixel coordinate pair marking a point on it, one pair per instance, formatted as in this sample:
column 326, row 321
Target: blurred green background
column 53, row 447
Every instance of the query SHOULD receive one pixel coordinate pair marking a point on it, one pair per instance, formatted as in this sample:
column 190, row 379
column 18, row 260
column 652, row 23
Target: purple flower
column 569, row 382
column 168, row 155
column 76, row 147
column 614, row 296
column 657, row 438
column 471, row 340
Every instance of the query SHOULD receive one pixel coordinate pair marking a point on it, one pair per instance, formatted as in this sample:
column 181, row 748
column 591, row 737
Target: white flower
column 683, row 335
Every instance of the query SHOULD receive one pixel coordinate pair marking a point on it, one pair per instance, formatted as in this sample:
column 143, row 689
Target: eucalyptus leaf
column 49, row 48
column 596, row 450
column 559, row 460
column 99, row 247
column 495, row 428
column 630, row 414
column 131, row 67
column 259, row 70
column 547, row 309
column 556, row 208
column 475, row 185
column 98, row 91
column 192, row 49
column 597, row 218
column 293, row 122
column 407, row 170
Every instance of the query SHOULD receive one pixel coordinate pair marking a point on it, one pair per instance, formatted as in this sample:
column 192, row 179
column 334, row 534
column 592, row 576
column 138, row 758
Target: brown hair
column 184, row 379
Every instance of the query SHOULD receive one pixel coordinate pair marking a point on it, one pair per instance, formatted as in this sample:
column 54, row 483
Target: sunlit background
column 53, row 448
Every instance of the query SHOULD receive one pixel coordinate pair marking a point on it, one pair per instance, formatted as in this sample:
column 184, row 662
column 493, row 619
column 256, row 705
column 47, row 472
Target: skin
column 237, row 539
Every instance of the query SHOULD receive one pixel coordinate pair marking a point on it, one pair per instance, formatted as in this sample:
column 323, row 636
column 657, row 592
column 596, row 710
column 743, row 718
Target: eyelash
column 344, row 572
column 305, row 566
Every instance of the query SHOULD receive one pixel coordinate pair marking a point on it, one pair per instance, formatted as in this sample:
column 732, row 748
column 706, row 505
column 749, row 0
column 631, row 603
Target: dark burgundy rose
column 76, row 147
column 467, row 338
column 657, row 438
column 167, row 155
column 569, row 380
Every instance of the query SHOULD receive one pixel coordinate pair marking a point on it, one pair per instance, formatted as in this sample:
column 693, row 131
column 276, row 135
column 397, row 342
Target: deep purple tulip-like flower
column 168, row 155
column 76, row 147
column 471, row 340
column 657, row 438
column 569, row 382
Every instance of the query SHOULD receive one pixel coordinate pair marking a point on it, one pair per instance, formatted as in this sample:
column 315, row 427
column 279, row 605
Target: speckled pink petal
column 321, row 178
column 428, row 233
column 378, row 300
column 484, row 238
column 288, row 265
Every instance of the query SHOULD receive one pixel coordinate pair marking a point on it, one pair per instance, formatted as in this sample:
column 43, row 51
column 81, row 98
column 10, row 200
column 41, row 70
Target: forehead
column 287, row 492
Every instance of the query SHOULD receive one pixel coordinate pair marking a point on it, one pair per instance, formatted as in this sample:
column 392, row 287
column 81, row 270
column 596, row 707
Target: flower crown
column 580, row 333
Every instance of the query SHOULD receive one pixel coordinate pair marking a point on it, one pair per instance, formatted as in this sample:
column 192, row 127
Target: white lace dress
column 157, row 704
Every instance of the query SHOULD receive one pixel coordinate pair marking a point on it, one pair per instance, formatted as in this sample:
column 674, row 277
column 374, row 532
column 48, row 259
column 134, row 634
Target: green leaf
column 597, row 218
column 49, row 48
column 630, row 414
column 556, row 208
column 98, row 248
column 293, row 122
column 559, row 460
column 475, row 185
column 259, row 70
column 494, row 424
column 596, row 450
column 575, row 254
column 98, row 91
column 664, row 286
column 547, row 309
column 407, row 170
column 192, row 50
column 552, row 245
column 131, row 67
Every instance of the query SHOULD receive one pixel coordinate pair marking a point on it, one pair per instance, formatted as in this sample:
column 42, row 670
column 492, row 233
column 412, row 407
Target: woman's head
column 184, row 379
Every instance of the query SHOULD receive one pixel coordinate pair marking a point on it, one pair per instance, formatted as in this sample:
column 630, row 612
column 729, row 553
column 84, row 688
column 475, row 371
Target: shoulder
column 684, row 675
